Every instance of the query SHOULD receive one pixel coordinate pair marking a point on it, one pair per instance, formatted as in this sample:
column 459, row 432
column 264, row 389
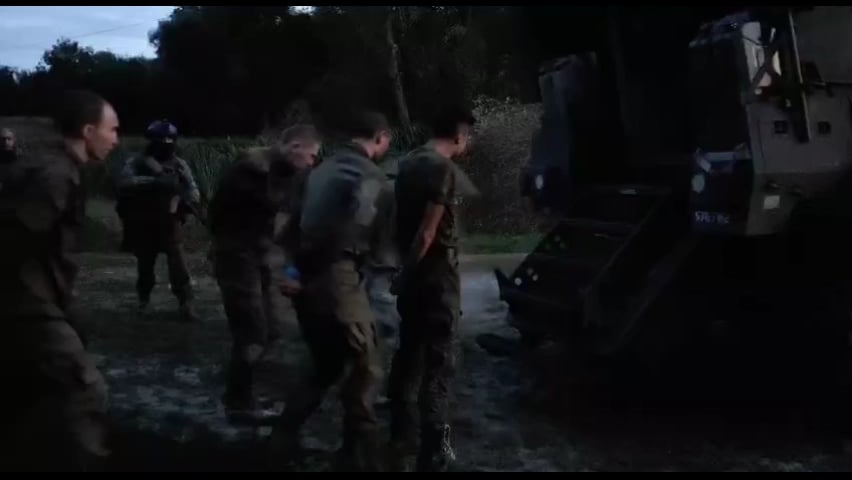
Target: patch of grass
column 97, row 236
column 479, row 244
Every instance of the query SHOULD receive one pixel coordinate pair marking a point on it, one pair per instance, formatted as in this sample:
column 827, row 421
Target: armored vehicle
column 696, row 159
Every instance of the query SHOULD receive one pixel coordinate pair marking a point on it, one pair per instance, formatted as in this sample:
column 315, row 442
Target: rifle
column 196, row 211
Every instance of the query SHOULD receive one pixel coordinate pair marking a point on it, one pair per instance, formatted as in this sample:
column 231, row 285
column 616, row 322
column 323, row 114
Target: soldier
column 335, row 229
column 156, row 190
column 8, row 152
column 54, row 404
column 242, row 218
column 428, row 186
column 384, row 259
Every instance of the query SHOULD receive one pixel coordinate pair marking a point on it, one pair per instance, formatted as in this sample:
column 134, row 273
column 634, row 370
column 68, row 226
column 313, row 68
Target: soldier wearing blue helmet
column 156, row 192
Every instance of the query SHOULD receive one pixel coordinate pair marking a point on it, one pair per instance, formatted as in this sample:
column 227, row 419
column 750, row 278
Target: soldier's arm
column 192, row 192
column 238, row 186
column 38, row 210
column 221, row 197
column 130, row 179
column 442, row 193
column 426, row 233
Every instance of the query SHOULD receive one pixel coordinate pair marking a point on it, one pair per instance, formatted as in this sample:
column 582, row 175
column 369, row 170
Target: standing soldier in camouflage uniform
column 335, row 231
column 428, row 288
column 8, row 150
column 54, row 406
column 156, row 190
column 254, row 190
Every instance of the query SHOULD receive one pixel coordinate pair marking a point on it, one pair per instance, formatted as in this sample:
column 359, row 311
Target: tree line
column 227, row 70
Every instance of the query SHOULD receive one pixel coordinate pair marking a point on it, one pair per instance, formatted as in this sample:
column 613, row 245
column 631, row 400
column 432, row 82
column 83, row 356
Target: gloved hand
column 169, row 182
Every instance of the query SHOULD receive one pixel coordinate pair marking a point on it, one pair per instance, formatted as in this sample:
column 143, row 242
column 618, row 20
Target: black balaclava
column 162, row 150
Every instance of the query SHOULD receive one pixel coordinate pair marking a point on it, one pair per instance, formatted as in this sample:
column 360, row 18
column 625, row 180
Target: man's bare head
column 7, row 137
column 85, row 119
column 371, row 130
column 301, row 145
column 452, row 126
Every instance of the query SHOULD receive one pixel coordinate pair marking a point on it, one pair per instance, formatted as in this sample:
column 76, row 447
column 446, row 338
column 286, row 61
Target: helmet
column 160, row 130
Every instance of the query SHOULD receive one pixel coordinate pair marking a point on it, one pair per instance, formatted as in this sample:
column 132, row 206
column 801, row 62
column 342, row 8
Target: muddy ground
column 166, row 379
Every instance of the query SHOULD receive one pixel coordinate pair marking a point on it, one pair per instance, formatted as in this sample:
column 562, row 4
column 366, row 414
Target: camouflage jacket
column 141, row 173
column 247, row 201
column 341, row 206
column 424, row 176
column 42, row 206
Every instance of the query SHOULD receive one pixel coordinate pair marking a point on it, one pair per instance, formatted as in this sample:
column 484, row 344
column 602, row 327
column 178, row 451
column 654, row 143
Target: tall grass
column 207, row 158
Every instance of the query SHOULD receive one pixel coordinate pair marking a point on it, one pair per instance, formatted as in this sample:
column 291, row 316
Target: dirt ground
column 166, row 379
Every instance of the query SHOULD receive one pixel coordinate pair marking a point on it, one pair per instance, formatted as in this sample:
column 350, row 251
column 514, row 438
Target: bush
column 499, row 151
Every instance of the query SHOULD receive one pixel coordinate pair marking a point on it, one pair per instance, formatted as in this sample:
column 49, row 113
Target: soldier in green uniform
column 428, row 188
column 8, row 150
column 334, row 240
column 156, row 190
column 255, row 189
column 54, row 406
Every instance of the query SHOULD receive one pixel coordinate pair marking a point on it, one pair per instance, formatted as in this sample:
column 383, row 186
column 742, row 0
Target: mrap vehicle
column 696, row 160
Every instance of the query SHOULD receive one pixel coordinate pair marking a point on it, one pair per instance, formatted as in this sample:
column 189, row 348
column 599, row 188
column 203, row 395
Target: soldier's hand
column 170, row 183
column 397, row 282
column 202, row 212
column 290, row 287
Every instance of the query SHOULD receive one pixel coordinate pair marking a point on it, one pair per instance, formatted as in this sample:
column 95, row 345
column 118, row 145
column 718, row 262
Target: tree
column 8, row 90
column 226, row 70
column 252, row 60
column 394, row 72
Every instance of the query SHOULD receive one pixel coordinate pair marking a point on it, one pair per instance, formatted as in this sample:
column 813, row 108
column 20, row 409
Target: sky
column 26, row 32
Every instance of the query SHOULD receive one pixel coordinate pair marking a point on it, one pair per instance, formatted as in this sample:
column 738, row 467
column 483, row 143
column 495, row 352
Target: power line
column 98, row 32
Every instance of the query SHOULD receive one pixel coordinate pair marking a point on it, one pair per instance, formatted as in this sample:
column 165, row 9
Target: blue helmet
column 161, row 129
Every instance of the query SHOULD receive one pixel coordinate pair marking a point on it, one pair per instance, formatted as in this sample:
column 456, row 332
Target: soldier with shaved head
column 253, row 192
column 8, row 145
column 53, row 407
column 8, row 152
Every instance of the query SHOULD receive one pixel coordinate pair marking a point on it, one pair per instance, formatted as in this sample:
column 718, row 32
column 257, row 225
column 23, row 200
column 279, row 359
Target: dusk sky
column 26, row 32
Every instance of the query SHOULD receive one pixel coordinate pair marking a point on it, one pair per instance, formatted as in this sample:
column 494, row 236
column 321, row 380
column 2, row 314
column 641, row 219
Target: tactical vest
column 340, row 204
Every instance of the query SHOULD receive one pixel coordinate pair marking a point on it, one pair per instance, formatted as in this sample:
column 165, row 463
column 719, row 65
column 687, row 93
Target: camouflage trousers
column 146, row 259
column 54, row 405
column 245, row 281
column 423, row 364
column 337, row 324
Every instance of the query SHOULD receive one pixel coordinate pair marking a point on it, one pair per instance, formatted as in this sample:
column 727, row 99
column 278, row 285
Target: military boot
column 360, row 452
column 397, row 455
column 436, row 453
column 403, row 441
column 144, row 307
column 247, row 410
column 187, row 313
column 285, row 450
